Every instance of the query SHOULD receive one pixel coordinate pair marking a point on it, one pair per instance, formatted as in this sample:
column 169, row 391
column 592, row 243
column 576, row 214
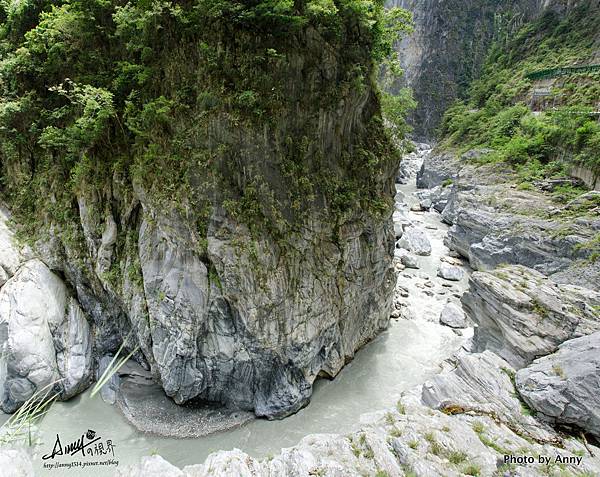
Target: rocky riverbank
column 518, row 402
column 494, row 221
column 519, row 399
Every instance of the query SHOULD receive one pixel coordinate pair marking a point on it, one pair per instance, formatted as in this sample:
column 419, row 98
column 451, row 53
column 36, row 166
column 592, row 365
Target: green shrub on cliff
column 169, row 95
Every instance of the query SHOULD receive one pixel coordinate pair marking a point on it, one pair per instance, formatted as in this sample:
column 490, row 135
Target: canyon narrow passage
column 411, row 351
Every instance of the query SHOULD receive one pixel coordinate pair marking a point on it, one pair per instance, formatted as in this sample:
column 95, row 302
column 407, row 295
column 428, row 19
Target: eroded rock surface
column 436, row 169
column 451, row 272
column 46, row 337
column 265, row 260
column 522, row 315
column 11, row 255
column 494, row 222
column 466, row 421
column 563, row 387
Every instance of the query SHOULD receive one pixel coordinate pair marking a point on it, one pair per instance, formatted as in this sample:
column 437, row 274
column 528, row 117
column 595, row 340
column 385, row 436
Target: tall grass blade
column 19, row 424
column 115, row 364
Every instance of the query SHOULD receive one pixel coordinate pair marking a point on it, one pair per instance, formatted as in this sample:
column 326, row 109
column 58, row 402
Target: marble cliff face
column 241, row 313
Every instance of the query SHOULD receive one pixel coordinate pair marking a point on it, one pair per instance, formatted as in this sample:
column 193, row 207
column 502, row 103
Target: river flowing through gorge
column 410, row 352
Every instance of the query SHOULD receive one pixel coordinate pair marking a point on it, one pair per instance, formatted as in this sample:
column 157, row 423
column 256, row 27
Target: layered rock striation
column 522, row 315
column 563, row 387
column 238, row 235
column 494, row 223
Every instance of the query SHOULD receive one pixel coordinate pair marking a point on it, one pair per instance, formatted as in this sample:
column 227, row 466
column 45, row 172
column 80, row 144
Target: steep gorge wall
column 239, row 230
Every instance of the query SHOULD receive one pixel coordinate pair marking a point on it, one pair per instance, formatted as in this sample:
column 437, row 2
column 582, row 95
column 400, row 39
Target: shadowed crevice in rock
column 146, row 406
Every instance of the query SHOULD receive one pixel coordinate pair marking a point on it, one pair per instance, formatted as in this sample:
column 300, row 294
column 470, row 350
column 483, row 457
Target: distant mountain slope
column 451, row 43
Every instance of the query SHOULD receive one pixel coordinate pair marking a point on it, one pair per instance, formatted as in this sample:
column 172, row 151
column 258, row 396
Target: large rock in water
column 44, row 336
column 436, row 168
column 451, row 272
column 523, row 315
column 453, row 316
column 563, row 386
column 253, row 252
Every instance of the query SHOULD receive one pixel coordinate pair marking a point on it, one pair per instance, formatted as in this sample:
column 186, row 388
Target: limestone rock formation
column 481, row 383
column 415, row 240
column 436, row 198
column 10, row 255
column 523, row 315
column 254, row 252
column 409, row 261
column 563, row 387
column 494, row 223
column 436, row 169
column 47, row 342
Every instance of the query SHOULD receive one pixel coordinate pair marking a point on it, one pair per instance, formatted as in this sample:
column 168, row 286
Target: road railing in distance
column 562, row 71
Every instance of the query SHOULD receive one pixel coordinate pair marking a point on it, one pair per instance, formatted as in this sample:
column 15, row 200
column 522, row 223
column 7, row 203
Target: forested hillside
column 527, row 109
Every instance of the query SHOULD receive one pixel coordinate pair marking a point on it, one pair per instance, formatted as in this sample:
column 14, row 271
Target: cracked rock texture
column 563, row 387
column 522, row 315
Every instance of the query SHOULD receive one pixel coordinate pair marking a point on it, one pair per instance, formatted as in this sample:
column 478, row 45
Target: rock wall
column 45, row 338
column 263, row 267
column 522, row 315
column 588, row 176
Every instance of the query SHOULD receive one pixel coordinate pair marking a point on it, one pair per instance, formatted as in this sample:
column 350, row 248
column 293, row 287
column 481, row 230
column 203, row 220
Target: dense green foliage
column 154, row 93
column 498, row 114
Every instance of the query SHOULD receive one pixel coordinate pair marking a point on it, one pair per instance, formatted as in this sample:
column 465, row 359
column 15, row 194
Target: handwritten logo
column 86, row 445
